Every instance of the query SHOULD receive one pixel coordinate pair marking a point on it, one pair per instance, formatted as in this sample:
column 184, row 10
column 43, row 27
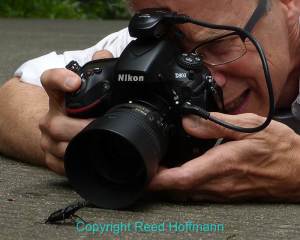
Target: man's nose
column 219, row 77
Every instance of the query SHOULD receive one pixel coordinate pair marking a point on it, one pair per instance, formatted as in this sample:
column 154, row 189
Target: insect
column 66, row 213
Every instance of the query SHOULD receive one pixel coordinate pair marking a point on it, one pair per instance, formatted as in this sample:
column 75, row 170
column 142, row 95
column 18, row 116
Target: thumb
column 201, row 128
column 57, row 82
column 102, row 54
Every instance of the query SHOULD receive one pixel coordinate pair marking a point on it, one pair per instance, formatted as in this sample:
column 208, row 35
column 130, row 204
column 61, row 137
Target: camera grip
column 92, row 98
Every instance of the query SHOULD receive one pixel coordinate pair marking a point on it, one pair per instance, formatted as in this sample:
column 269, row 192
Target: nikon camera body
column 136, row 101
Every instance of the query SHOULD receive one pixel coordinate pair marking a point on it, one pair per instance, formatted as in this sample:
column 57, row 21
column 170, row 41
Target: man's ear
column 292, row 8
column 290, row 3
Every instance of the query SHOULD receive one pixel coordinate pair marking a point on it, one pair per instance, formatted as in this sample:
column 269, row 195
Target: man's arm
column 22, row 106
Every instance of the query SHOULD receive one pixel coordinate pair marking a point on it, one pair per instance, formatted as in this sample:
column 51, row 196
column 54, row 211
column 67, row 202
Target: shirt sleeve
column 31, row 71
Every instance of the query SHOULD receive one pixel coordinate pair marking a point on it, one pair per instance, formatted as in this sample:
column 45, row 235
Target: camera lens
column 123, row 165
column 110, row 162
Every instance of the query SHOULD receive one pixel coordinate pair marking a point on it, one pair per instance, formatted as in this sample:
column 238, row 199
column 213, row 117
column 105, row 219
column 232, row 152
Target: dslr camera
column 138, row 101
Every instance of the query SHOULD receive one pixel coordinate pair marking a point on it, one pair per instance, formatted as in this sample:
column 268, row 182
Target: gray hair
column 130, row 7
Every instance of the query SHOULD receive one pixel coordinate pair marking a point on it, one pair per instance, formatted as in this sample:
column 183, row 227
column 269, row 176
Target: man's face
column 242, row 81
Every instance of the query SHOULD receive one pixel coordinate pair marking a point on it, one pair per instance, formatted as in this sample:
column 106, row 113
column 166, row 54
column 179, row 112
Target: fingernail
column 71, row 83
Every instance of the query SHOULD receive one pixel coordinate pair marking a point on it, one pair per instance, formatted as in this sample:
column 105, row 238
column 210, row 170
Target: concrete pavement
column 29, row 194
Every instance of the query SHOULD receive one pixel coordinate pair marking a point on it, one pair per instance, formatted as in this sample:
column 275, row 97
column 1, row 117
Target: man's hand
column 259, row 166
column 58, row 129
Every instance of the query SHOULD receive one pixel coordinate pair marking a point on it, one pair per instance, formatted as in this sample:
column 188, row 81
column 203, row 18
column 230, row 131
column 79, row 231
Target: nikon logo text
column 130, row 78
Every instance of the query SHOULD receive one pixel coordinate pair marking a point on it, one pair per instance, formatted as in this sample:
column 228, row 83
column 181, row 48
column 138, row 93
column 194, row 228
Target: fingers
column 63, row 80
column 56, row 83
column 61, row 127
column 102, row 55
column 171, row 179
column 55, row 139
column 179, row 178
column 220, row 175
column 55, row 164
column 57, row 129
column 201, row 128
column 219, row 161
column 57, row 149
column 60, row 80
column 54, row 154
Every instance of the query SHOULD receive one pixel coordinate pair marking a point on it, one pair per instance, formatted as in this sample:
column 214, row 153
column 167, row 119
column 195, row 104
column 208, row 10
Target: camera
column 138, row 101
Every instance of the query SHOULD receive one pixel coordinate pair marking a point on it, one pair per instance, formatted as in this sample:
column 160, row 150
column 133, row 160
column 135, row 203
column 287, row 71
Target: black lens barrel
column 111, row 161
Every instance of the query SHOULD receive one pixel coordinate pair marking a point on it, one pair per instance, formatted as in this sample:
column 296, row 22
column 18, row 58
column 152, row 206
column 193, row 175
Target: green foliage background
column 65, row 9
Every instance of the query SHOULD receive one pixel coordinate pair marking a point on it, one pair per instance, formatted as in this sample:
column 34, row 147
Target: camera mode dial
column 190, row 61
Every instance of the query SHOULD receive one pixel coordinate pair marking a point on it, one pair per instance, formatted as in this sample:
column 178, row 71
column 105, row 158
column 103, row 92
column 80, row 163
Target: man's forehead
column 227, row 12
column 201, row 8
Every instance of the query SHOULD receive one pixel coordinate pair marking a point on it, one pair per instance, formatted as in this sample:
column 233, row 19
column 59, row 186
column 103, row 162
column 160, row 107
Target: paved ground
column 29, row 194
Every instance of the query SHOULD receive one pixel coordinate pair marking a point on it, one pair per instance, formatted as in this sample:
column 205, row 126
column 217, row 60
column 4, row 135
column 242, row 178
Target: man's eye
column 224, row 47
column 217, row 48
